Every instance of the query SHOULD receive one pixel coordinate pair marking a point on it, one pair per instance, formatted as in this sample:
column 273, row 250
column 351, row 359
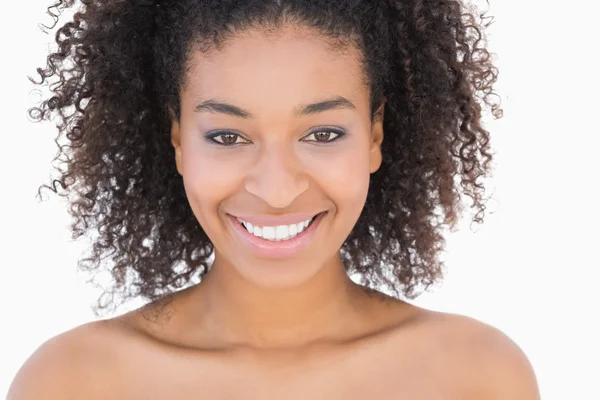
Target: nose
column 277, row 177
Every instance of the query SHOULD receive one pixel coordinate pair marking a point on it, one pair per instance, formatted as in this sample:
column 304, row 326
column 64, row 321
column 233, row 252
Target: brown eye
column 322, row 136
column 229, row 139
column 325, row 135
column 226, row 138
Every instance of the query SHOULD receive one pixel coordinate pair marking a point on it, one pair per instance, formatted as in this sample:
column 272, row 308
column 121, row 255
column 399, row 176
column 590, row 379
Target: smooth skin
column 293, row 328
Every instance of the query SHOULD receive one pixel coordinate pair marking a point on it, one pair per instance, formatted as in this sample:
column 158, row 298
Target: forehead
column 280, row 69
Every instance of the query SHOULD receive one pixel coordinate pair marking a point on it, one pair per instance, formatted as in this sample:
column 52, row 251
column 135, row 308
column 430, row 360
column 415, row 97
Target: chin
column 277, row 274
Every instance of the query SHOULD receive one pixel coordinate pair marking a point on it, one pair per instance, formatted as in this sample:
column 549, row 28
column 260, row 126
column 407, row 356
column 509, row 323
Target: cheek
column 207, row 181
column 345, row 178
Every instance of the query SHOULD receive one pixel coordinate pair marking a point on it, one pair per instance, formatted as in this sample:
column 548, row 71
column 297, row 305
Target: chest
column 363, row 374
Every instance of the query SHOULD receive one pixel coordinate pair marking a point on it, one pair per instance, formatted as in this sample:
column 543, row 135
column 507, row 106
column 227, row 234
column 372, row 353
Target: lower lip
column 279, row 249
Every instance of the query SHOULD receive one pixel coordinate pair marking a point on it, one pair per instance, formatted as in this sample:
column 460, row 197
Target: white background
column 530, row 270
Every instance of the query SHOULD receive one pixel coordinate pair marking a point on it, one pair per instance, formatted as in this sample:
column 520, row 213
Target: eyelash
column 339, row 132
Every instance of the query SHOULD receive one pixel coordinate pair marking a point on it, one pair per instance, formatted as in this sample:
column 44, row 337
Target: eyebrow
column 215, row 106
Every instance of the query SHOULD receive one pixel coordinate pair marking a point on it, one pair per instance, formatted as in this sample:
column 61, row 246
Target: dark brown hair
column 120, row 65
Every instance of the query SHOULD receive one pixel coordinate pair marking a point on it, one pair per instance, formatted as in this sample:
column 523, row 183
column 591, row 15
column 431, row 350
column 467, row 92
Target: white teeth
column 268, row 232
column 276, row 233
column 282, row 232
column 293, row 230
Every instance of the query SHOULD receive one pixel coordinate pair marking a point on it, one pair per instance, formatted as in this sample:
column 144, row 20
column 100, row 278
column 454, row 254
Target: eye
column 324, row 134
column 227, row 138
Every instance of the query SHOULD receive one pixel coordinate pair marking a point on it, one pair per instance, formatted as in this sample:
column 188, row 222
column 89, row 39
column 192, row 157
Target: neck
column 324, row 308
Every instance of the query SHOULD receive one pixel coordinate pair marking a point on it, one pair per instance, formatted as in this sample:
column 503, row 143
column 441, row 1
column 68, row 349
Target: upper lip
column 272, row 220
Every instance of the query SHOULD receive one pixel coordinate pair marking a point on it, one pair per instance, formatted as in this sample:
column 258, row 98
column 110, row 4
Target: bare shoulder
column 487, row 361
column 71, row 365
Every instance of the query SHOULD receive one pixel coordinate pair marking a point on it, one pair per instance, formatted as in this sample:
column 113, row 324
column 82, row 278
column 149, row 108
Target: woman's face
column 250, row 145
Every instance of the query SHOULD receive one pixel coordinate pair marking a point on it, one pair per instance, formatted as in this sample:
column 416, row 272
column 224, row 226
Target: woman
column 262, row 172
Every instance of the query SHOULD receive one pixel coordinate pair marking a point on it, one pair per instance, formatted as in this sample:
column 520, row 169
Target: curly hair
column 120, row 65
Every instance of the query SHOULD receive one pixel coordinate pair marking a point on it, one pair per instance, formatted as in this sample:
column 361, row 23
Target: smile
column 277, row 241
column 277, row 233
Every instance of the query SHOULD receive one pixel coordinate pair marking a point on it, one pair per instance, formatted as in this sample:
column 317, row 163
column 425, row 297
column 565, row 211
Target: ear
column 375, row 157
column 176, row 141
